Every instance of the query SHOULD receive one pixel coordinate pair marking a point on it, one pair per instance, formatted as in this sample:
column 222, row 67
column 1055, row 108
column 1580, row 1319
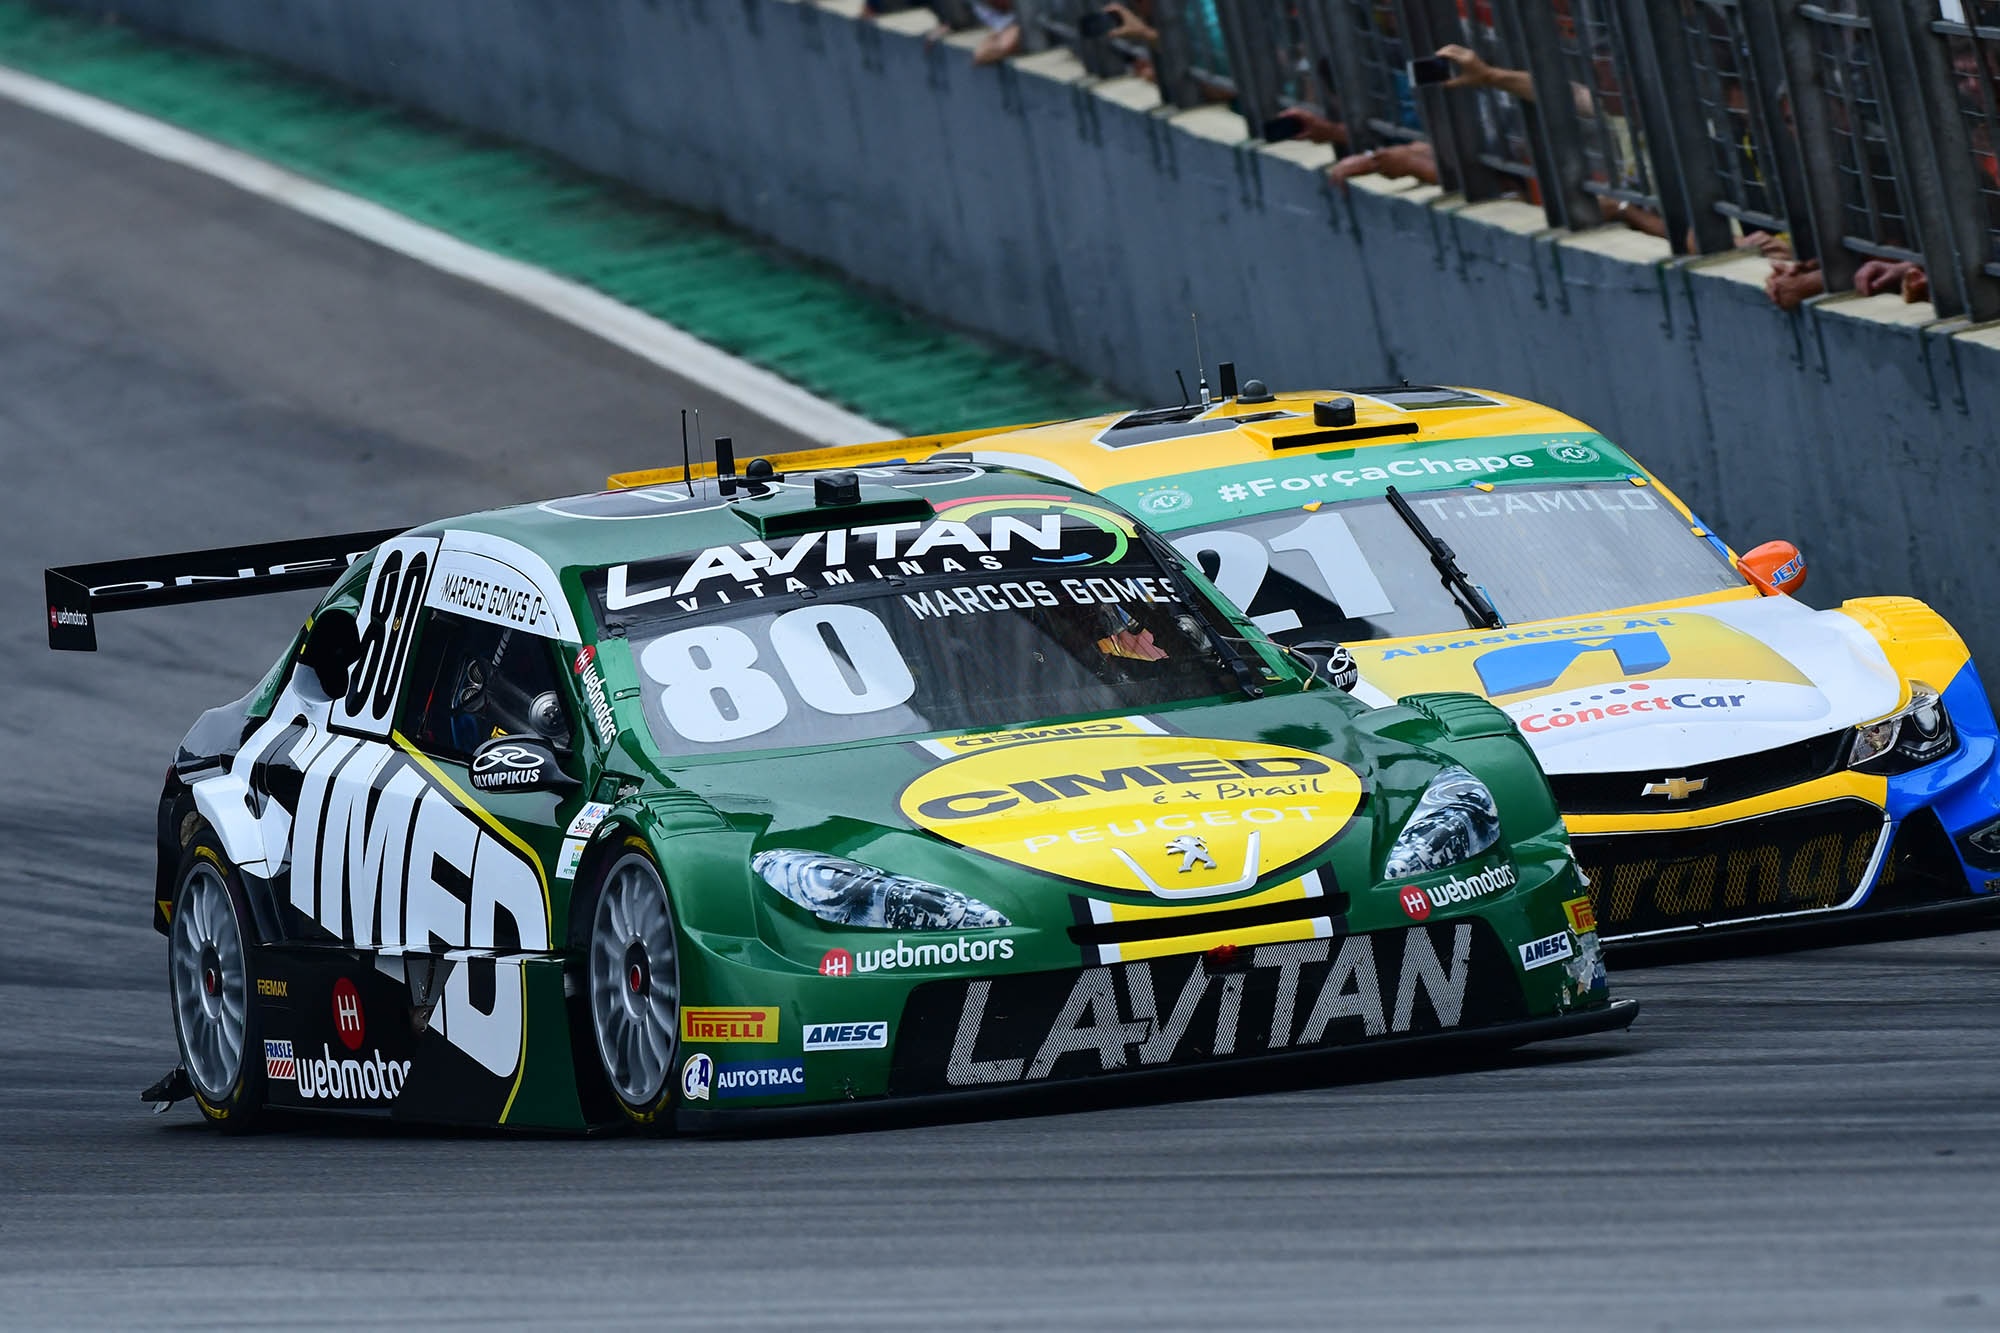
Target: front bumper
column 1242, row 1072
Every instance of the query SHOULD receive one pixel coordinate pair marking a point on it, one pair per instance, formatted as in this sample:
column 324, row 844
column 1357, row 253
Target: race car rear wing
column 78, row 594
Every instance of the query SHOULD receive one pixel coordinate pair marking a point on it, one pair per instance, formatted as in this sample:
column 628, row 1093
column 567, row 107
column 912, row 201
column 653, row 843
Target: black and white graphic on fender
column 387, row 622
column 383, row 857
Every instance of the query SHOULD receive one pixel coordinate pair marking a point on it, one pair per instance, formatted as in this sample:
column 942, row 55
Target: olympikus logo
column 902, row 955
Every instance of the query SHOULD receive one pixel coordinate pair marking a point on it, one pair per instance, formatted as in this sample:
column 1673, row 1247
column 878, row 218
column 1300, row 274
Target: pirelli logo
column 749, row 1024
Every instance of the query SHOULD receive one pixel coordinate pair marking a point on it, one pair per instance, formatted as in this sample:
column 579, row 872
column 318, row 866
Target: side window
column 473, row 681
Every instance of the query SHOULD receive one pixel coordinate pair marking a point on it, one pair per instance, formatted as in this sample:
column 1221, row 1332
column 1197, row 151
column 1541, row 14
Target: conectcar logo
column 1418, row 902
column 759, row 1024
column 1639, row 697
column 1088, row 808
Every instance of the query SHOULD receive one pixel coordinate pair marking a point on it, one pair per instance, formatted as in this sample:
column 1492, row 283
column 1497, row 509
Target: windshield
column 834, row 650
column 1354, row 571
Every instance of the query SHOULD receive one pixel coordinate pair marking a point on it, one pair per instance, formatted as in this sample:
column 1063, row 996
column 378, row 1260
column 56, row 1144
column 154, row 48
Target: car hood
column 1641, row 689
column 1248, row 792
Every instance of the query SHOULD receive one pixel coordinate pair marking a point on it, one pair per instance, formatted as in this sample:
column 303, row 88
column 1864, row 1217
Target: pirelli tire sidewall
column 241, row 1108
column 601, row 1103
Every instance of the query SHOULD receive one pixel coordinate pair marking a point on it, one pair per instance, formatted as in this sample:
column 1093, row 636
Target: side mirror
column 1773, row 568
column 1331, row 662
column 332, row 647
column 518, row 763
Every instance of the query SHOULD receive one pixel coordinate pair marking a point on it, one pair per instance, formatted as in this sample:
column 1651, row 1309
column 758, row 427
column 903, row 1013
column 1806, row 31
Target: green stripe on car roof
column 796, row 319
column 1287, row 481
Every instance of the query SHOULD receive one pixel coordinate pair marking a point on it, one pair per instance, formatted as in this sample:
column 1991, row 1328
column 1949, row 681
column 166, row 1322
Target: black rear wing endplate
column 78, row 594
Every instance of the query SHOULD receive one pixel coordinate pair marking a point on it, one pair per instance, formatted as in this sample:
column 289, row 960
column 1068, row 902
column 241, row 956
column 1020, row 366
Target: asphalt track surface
column 1806, row 1139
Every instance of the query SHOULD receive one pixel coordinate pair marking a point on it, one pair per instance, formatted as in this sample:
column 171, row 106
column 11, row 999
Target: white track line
column 638, row 333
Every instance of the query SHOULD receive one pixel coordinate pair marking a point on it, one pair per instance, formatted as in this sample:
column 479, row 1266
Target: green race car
column 674, row 805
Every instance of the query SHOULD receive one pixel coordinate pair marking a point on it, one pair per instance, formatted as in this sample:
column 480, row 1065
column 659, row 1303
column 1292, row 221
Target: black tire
column 625, row 1016
column 210, row 979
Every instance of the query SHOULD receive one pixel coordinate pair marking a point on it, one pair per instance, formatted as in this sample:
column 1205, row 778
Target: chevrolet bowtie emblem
column 1675, row 789
column 1190, row 849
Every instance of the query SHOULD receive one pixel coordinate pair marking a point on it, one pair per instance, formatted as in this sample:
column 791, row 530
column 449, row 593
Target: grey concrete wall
column 1080, row 220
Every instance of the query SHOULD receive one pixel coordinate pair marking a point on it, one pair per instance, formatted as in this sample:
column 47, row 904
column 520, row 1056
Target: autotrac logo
column 903, row 956
column 760, row 1078
column 367, row 1078
column 1102, row 811
column 1418, row 900
column 989, row 535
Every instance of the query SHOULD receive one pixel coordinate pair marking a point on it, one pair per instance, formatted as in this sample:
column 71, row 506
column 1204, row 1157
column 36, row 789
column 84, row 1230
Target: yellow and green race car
column 1723, row 754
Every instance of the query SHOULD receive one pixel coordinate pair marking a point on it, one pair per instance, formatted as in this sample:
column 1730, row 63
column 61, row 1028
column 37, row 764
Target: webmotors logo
column 367, row 1079
column 348, row 1024
column 902, row 956
column 1417, row 901
column 761, row 1078
column 872, row 1036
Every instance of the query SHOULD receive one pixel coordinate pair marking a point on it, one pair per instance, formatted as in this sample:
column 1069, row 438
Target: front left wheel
column 208, row 979
column 632, row 971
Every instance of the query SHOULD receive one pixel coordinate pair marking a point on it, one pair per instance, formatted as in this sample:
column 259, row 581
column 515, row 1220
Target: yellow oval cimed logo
column 1173, row 817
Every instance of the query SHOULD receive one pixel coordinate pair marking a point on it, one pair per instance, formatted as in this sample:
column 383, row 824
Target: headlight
column 848, row 893
column 1917, row 734
column 1455, row 820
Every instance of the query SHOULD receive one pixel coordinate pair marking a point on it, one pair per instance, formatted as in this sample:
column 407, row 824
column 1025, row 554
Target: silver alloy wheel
column 634, row 981
column 209, row 981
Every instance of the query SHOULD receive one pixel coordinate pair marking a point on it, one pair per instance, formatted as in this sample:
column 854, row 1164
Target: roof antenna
column 1183, row 379
column 1201, row 371
column 687, row 462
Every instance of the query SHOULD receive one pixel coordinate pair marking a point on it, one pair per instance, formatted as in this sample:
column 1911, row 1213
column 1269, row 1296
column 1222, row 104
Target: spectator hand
column 1131, row 25
column 1313, row 127
column 1473, row 72
column 1792, row 282
column 997, row 45
column 1767, row 245
column 1883, row 275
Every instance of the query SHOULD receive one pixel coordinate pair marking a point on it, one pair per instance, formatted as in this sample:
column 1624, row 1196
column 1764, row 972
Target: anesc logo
column 348, row 1024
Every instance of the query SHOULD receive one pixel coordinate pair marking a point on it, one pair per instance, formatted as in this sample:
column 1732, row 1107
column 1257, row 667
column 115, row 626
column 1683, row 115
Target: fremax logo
column 1536, row 666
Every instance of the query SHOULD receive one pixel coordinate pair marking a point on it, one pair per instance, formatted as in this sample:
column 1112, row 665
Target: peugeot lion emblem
column 1190, row 849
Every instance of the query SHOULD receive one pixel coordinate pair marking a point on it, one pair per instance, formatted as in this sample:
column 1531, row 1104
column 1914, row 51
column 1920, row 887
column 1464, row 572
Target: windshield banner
column 1291, row 481
column 984, row 536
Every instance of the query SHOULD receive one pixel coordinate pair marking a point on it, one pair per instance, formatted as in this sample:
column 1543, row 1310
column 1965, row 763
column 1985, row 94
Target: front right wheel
column 208, row 978
column 632, row 970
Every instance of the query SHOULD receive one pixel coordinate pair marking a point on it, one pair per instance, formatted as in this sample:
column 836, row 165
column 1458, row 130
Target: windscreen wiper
column 1479, row 612
column 1170, row 559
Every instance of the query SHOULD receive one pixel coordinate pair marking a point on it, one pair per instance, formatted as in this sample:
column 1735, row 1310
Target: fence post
column 1939, row 154
column 1031, row 15
column 1816, row 152
column 1763, row 34
column 1448, row 120
column 1553, row 127
column 1332, row 44
column 1174, row 61
column 1677, row 139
